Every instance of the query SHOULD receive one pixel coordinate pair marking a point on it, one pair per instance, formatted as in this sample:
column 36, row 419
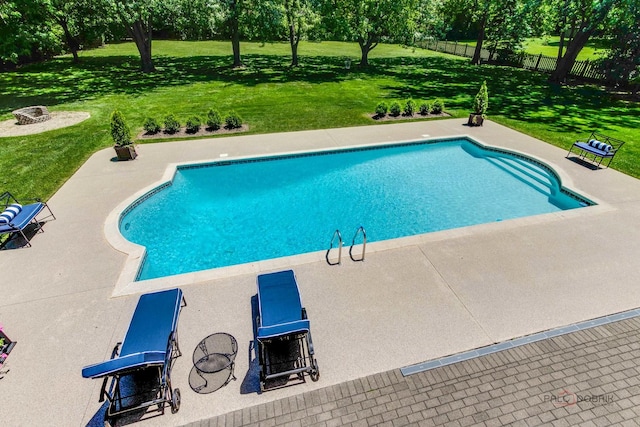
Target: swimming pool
column 232, row 212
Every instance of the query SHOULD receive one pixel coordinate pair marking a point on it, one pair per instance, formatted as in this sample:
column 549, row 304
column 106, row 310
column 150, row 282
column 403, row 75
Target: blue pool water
column 228, row 213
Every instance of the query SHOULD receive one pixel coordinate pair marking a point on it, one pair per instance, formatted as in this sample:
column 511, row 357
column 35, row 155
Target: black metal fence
column 586, row 70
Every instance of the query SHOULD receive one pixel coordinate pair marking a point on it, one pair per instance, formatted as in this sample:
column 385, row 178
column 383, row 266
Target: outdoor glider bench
column 283, row 334
column 599, row 146
column 15, row 217
column 140, row 366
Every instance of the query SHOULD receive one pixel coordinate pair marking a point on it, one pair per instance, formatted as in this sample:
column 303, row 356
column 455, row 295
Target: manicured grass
column 549, row 46
column 272, row 97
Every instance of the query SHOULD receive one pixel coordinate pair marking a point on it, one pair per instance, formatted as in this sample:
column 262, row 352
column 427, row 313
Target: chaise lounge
column 599, row 146
column 140, row 366
column 16, row 217
column 284, row 340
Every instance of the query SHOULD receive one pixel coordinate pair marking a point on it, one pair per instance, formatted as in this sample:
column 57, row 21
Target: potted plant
column 480, row 104
column 121, row 135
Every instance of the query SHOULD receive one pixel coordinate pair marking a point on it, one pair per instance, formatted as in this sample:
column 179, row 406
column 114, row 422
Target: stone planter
column 475, row 119
column 31, row 115
column 125, row 152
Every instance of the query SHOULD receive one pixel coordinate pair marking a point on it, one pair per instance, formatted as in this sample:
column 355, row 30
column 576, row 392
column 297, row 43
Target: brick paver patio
column 587, row 378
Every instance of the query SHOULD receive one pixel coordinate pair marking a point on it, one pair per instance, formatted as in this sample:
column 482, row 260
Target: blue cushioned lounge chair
column 15, row 216
column 284, row 340
column 146, row 354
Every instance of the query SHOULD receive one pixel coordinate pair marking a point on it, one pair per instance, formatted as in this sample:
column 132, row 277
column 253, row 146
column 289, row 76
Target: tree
column 508, row 27
column 136, row 17
column 82, row 21
column 26, row 32
column 585, row 19
column 370, row 21
column 227, row 17
column 622, row 64
column 300, row 18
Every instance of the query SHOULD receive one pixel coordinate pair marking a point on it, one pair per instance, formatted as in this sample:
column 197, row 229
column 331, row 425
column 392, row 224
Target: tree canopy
column 32, row 30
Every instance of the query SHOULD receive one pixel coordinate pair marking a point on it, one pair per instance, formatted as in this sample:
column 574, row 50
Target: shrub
column 193, row 124
column 171, row 124
column 437, row 107
column 119, row 130
column 394, row 109
column 481, row 101
column 424, row 108
column 409, row 107
column 381, row 109
column 151, row 126
column 233, row 120
column 214, row 121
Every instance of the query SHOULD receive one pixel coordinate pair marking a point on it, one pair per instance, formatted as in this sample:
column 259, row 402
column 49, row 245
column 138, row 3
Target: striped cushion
column 600, row 145
column 12, row 210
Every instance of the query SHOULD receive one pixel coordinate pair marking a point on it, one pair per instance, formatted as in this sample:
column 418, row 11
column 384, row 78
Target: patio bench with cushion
column 599, row 146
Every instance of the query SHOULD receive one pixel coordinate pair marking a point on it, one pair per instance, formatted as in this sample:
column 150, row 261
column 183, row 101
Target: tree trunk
column 293, row 41
column 141, row 34
column 476, row 53
column 235, row 45
column 234, row 27
column 565, row 64
column 366, row 46
column 560, row 47
column 72, row 43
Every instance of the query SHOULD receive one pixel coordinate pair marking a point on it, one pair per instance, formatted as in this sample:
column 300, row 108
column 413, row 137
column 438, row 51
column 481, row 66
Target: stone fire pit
column 31, row 115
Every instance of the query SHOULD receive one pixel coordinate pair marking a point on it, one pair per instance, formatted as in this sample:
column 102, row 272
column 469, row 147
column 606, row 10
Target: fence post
column 466, row 46
column 538, row 62
column 455, row 48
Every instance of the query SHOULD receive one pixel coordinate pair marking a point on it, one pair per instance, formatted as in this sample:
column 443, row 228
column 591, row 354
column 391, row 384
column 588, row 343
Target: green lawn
column 549, row 46
column 195, row 76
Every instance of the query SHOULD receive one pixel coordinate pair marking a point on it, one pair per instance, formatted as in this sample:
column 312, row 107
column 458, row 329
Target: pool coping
column 459, row 290
column 127, row 284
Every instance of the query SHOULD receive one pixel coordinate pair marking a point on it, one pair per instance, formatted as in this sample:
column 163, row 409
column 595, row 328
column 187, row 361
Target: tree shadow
column 516, row 94
column 59, row 81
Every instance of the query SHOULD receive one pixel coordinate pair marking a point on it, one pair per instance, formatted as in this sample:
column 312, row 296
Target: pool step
column 525, row 171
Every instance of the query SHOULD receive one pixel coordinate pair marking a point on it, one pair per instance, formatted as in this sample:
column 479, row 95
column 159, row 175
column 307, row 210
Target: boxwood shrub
column 214, row 120
column 171, row 124
column 193, row 124
column 151, row 126
column 409, row 107
column 233, row 120
column 381, row 109
column 395, row 109
column 437, row 107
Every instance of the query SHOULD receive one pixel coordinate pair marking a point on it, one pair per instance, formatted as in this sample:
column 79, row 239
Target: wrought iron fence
column 587, row 70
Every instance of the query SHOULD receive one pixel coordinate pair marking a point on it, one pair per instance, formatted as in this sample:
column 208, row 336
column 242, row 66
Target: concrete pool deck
column 412, row 300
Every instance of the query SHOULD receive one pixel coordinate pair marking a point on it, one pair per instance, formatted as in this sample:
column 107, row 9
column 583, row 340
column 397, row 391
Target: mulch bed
column 405, row 117
column 204, row 131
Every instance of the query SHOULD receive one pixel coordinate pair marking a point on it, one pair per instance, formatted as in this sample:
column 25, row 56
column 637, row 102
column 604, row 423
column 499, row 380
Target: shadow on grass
column 513, row 93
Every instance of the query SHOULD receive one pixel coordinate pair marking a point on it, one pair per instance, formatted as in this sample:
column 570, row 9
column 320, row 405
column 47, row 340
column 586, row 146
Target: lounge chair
column 284, row 340
column 146, row 355
column 599, row 146
column 16, row 216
